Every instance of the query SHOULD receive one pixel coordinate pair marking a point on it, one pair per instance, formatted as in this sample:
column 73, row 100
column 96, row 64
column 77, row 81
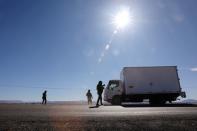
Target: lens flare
column 122, row 18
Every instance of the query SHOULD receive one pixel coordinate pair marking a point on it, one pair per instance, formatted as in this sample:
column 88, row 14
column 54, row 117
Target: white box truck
column 158, row 84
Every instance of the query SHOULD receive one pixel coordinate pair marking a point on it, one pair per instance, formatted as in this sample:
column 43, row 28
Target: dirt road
column 67, row 117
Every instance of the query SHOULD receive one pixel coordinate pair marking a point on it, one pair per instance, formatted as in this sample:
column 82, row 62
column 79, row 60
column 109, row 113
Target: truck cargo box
column 150, row 80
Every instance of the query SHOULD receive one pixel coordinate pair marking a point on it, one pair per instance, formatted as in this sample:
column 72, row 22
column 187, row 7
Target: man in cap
column 99, row 88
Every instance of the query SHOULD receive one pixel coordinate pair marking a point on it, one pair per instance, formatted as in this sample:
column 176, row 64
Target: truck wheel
column 157, row 101
column 162, row 102
column 116, row 100
column 152, row 102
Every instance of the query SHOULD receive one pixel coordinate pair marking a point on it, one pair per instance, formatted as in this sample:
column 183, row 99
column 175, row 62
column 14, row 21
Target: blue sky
column 56, row 45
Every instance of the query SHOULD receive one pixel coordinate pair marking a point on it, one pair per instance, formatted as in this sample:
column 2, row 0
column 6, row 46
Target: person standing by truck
column 100, row 88
column 44, row 97
column 89, row 96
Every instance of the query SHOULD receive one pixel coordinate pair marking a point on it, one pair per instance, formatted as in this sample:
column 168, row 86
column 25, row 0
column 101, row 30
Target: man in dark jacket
column 44, row 97
column 89, row 96
column 100, row 88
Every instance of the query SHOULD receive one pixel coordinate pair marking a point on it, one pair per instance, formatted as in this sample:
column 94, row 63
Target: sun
column 122, row 18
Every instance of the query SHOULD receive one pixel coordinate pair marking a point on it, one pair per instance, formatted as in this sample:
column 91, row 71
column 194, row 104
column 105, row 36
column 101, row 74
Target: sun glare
column 122, row 18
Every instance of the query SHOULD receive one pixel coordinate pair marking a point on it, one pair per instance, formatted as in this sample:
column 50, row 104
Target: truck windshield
column 113, row 84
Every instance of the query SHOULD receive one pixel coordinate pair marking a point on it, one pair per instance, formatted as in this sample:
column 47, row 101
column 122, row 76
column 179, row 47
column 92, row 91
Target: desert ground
column 80, row 117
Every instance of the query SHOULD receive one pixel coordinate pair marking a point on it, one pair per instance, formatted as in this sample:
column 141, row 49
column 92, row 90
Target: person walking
column 44, row 97
column 99, row 88
column 89, row 97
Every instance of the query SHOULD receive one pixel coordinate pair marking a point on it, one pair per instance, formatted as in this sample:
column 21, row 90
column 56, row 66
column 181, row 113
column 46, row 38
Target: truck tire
column 157, row 101
column 116, row 100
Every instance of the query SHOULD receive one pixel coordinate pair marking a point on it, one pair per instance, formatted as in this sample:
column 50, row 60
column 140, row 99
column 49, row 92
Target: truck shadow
column 166, row 105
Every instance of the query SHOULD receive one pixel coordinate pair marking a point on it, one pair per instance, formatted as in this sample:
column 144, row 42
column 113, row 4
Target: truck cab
column 113, row 92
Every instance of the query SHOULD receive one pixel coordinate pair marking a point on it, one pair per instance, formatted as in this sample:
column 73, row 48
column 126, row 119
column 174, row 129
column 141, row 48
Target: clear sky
column 57, row 44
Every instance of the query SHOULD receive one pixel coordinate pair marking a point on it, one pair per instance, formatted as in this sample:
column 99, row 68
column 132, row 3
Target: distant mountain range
column 11, row 101
column 189, row 101
column 35, row 102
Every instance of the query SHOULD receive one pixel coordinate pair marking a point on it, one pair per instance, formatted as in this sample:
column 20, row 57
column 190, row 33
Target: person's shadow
column 94, row 106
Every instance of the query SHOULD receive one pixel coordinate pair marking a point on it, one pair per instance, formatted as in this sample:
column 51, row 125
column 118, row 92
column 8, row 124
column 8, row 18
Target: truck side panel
column 150, row 80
